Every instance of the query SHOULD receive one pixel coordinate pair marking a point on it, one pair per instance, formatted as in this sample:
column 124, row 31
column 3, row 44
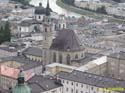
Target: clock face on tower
column 21, row 80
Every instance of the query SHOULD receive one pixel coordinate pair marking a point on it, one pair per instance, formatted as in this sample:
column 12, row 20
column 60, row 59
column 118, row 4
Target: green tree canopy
column 25, row 2
column 101, row 10
column 5, row 33
column 119, row 1
column 70, row 2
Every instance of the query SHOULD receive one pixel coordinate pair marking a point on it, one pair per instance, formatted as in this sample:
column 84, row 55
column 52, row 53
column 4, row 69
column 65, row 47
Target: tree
column 119, row 1
column 25, row 2
column 5, row 33
column 101, row 10
column 1, row 34
column 70, row 2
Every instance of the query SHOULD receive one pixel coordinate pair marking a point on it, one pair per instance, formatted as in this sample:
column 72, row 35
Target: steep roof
column 66, row 40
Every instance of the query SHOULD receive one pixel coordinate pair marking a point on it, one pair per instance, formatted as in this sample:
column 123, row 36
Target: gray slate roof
column 65, row 40
column 91, row 79
column 120, row 55
column 28, row 23
column 8, row 49
column 40, row 84
column 28, row 64
column 33, row 51
column 109, row 1
column 88, row 57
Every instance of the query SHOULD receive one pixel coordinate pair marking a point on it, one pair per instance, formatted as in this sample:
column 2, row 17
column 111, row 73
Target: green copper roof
column 21, row 74
column 21, row 86
column 21, row 89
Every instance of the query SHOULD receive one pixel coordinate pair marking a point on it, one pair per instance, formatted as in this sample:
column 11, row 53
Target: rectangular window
column 76, row 91
column 71, row 90
column 67, row 82
column 76, row 84
column 67, row 89
column 81, row 85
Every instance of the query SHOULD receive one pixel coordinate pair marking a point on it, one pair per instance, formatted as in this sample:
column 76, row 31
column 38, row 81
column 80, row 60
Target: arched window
column 35, row 17
column 68, row 59
column 54, row 57
column 55, row 27
column 60, row 58
column 35, row 28
column 45, row 29
column 63, row 25
column 59, row 26
column 39, row 17
column 76, row 56
column 82, row 55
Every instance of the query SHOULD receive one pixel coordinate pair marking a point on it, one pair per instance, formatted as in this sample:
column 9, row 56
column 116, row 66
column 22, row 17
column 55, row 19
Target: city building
column 114, row 67
column 54, row 68
column 83, row 82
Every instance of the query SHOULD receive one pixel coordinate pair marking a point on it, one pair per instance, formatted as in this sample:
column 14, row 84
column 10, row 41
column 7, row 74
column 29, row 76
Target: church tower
column 47, row 28
column 21, row 86
column 62, row 22
column 47, row 32
column 48, row 9
column 47, row 35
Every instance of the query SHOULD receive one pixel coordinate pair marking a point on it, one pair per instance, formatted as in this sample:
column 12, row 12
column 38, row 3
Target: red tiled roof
column 13, row 73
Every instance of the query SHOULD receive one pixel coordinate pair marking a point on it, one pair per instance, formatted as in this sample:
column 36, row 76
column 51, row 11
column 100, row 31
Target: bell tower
column 47, row 38
column 47, row 32
column 62, row 22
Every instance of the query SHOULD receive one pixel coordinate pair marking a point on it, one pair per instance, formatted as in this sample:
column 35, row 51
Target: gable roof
column 66, row 40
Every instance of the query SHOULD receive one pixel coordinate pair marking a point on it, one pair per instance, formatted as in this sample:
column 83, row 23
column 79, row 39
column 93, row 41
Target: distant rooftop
column 34, row 51
column 91, row 79
column 40, row 84
column 27, row 64
column 120, row 55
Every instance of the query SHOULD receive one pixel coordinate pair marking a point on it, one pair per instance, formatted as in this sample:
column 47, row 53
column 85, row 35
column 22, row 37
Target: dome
column 21, row 89
column 40, row 10
column 21, row 86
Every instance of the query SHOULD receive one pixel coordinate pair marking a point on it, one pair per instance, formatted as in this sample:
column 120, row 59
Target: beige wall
column 114, row 68
column 6, row 82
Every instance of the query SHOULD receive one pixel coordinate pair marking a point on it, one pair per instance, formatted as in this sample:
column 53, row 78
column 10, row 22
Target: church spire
column 48, row 4
column 48, row 9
